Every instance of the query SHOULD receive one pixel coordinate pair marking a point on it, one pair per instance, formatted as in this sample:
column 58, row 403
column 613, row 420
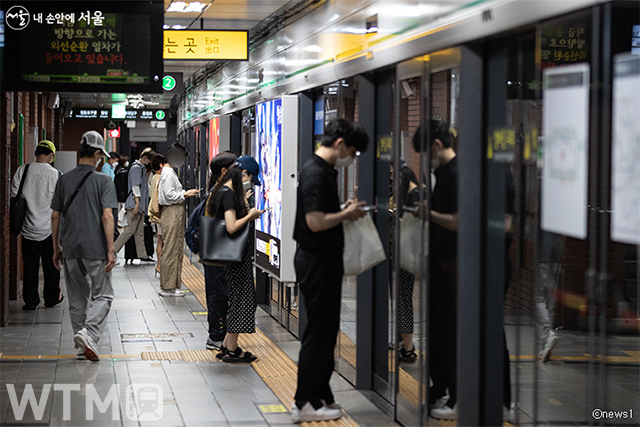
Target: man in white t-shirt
column 37, row 243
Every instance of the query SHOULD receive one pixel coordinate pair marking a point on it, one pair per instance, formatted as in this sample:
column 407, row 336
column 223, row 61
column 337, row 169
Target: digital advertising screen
column 214, row 137
column 96, row 46
column 269, row 195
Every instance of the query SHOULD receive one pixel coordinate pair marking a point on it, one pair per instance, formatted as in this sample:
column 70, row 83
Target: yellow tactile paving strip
column 347, row 349
column 277, row 370
column 186, row 355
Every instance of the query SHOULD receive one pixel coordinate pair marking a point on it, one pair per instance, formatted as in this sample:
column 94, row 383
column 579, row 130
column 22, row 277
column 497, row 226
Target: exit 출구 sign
column 206, row 45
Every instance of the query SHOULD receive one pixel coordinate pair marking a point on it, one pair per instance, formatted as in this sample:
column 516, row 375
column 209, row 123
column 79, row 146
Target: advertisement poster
column 566, row 150
column 269, row 194
column 214, row 137
column 625, row 171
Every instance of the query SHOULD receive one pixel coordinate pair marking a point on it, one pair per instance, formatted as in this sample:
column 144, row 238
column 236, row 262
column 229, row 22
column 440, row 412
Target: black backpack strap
column 75, row 193
column 24, row 175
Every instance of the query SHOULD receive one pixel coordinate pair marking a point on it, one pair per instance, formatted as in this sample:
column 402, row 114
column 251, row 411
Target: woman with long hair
column 215, row 278
column 227, row 202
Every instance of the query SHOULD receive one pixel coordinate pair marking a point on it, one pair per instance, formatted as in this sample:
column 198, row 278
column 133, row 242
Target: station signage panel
column 117, row 114
column 98, row 46
column 206, row 45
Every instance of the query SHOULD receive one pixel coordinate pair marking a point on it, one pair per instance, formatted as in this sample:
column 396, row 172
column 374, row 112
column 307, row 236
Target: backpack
column 121, row 181
column 191, row 235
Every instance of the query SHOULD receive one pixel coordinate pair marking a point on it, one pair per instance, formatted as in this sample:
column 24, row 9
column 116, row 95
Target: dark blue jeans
column 217, row 301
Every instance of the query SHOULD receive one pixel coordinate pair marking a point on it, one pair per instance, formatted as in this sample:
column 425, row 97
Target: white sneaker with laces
column 308, row 414
column 84, row 342
column 552, row 340
column 445, row 413
column 172, row 293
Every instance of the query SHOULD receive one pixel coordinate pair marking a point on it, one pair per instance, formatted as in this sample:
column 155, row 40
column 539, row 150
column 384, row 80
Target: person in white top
column 37, row 243
column 171, row 198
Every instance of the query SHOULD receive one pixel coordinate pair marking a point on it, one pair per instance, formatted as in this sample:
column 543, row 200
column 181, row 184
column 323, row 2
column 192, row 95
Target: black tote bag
column 18, row 208
column 218, row 247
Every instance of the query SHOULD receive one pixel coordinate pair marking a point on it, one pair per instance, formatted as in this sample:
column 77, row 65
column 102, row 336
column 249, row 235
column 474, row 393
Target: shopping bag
column 413, row 235
column 362, row 246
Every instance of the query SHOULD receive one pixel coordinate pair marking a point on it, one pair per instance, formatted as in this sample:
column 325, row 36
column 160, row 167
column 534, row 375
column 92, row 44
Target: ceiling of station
column 218, row 15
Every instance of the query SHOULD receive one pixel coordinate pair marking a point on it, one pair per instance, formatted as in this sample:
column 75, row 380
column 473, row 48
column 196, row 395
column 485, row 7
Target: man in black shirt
column 319, row 266
column 443, row 281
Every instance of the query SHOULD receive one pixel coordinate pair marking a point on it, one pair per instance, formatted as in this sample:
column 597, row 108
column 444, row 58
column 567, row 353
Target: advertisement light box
column 276, row 150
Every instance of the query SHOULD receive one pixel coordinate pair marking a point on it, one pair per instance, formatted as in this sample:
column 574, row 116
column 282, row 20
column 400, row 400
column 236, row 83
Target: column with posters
column 566, row 150
column 276, row 150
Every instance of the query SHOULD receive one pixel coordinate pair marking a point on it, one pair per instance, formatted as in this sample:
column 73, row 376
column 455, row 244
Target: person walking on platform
column 444, row 251
column 215, row 279
column 227, row 202
column 171, row 198
column 110, row 165
column 319, row 265
column 136, row 206
column 86, row 198
column 40, row 180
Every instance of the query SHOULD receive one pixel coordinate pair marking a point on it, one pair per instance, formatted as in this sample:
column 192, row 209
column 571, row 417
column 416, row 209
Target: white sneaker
column 552, row 340
column 440, row 402
column 334, row 405
column 172, row 293
column 509, row 414
column 84, row 342
column 445, row 413
column 308, row 414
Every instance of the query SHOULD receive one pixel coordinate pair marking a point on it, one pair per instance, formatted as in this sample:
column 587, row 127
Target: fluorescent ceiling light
column 166, row 27
column 184, row 7
column 178, row 27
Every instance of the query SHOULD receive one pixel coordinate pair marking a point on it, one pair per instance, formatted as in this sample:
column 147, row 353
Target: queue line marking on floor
column 275, row 368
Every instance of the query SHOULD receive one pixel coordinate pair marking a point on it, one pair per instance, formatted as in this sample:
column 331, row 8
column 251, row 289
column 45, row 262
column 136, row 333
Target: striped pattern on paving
column 277, row 370
column 185, row 355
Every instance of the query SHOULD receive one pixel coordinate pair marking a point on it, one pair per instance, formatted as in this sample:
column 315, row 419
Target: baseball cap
column 48, row 144
column 94, row 140
column 249, row 164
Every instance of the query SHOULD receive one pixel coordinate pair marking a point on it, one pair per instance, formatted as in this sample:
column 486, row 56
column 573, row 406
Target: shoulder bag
column 217, row 246
column 154, row 205
column 18, row 207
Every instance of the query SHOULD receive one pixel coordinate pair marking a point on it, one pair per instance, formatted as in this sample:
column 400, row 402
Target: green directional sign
column 160, row 115
column 168, row 83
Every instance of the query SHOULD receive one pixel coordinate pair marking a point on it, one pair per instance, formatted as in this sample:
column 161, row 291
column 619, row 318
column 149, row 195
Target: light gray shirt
column 82, row 232
column 38, row 189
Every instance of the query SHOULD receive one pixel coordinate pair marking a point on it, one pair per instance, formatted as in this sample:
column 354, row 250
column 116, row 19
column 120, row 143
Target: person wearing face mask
column 443, row 298
column 39, row 184
column 319, row 265
column 171, row 198
column 250, row 177
column 86, row 198
column 136, row 206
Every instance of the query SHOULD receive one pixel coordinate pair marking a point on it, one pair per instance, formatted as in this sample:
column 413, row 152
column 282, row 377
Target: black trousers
column 32, row 252
column 320, row 277
column 443, row 329
column 217, row 301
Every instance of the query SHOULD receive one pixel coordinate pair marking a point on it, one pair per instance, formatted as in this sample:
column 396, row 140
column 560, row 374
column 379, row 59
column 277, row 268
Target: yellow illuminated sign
column 206, row 45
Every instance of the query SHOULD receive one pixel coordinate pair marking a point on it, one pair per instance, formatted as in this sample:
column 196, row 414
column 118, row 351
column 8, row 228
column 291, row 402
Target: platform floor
column 159, row 342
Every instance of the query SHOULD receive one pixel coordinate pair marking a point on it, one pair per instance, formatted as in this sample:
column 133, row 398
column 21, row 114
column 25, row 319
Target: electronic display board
column 97, row 46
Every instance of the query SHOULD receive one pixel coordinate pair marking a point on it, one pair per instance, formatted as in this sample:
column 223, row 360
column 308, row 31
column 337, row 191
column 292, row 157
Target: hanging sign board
column 206, row 45
column 565, row 150
column 97, row 46
column 625, row 173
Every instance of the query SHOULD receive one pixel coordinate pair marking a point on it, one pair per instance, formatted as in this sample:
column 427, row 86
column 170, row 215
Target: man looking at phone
column 319, row 265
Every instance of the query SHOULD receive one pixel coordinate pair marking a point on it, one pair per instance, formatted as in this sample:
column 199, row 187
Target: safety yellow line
column 275, row 368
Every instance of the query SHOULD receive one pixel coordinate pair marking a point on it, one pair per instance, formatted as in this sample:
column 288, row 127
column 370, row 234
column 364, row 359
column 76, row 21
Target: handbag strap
column 75, row 193
column 24, row 175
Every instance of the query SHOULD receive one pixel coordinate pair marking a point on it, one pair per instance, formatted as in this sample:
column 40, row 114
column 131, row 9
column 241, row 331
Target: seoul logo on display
column 18, row 18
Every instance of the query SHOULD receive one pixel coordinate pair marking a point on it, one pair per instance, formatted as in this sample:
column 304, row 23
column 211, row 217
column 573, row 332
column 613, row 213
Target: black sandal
column 234, row 356
column 407, row 356
column 223, row 352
